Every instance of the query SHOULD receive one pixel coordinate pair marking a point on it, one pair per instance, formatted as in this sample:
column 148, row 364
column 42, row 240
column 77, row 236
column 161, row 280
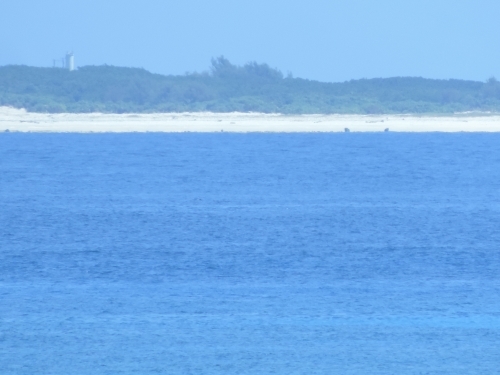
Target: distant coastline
column 228, row 88
column 17, row 120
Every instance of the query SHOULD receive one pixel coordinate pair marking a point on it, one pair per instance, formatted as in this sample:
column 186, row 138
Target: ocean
column 258, row 253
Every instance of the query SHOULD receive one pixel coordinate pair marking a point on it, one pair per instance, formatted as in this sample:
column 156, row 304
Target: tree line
column 227, row 88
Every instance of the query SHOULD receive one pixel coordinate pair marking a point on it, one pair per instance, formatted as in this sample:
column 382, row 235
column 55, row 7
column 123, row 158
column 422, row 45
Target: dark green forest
column 227, row 88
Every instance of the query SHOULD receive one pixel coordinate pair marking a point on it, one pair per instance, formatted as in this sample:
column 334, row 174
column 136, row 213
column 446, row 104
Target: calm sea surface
column 249, row 254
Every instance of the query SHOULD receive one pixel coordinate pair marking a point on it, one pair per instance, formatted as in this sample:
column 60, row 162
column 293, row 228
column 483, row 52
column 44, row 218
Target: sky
column 330, row 41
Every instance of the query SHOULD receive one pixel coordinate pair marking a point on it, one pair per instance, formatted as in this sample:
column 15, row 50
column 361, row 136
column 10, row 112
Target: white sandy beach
column 21, row 121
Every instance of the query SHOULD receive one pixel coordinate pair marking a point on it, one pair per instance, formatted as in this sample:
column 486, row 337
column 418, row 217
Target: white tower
column 70, row 61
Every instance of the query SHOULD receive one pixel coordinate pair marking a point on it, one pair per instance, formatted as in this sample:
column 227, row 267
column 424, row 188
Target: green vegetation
column 226, row 88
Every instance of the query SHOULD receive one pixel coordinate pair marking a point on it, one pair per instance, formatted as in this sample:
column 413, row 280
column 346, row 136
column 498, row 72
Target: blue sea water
column 249, row 253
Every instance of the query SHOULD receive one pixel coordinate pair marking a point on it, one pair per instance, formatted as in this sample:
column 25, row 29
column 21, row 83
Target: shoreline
column 18, row 120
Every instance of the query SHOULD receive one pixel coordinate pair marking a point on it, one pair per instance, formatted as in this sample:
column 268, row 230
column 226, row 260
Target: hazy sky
column 333, row 40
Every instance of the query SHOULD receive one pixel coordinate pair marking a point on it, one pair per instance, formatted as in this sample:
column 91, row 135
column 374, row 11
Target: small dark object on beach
column 346, row 130
column 386, row 129
column 7, row 131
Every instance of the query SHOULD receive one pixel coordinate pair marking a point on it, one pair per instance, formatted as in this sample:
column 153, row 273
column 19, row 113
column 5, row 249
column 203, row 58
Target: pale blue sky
column 332, row 40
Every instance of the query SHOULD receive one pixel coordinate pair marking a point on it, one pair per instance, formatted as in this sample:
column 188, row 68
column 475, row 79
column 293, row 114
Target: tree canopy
column 227, row 87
